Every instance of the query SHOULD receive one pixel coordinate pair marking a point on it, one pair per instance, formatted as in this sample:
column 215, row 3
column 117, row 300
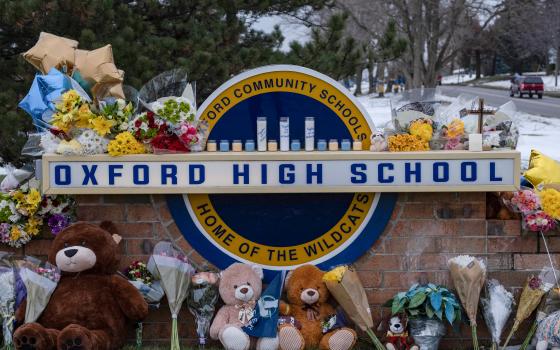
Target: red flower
column 137, row 123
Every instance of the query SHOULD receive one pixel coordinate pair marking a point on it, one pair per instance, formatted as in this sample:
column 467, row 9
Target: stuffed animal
column 397, row 335
column 240, row 287
column 308, row 303
column 378, row 142
column 90, row 306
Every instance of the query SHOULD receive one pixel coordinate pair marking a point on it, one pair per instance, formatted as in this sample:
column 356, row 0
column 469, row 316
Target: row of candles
column 264, row 144
column 272, row 145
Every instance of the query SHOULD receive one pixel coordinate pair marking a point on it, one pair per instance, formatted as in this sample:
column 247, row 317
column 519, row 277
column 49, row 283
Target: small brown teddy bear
column 240, row 288
column 308, row 303
column 90, row 306
column 397, row 335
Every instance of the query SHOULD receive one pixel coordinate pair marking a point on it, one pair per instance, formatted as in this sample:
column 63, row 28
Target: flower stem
column 375, row 340
column 513, row 329
column 529, row 336
column 550, row 259
column 174, row 335
column 474, row 337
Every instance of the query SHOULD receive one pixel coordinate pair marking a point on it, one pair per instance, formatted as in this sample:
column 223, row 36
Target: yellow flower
column 407, row 143
column 550, row 202
column 84, row 116
column 455, row 129
column 125, row 143
column 336, row 274
column 15, row 233
column 422, row 129
column 32, row 226
column 18, row 196
column 70, row 96
column 101, row 125
column 33, row 197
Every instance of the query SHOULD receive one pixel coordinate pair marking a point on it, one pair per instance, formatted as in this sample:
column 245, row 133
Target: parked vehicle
column 528, row 85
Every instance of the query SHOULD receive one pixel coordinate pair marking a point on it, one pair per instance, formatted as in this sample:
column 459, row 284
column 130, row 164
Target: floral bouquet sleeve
column 201, row 300
column 40, row 282
column 7, row 302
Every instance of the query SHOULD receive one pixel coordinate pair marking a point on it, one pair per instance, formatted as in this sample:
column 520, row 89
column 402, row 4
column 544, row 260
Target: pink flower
column 525, row 201
column 539, row 221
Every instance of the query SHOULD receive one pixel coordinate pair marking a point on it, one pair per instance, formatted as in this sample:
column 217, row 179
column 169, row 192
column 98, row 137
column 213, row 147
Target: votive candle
column 211, row 146
column 224, row 146
column 333, row 145
column 249, row 146
column 346, row 145
column 357, row 146
column 321, row 145
column 295, row 145
column 272, row 146
column 261, row 134
column 237, row 146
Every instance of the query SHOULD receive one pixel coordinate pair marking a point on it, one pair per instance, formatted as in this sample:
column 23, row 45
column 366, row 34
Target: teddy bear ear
column 258, row 270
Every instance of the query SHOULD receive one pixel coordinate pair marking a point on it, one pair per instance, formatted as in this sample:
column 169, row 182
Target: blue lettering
column 89, row 174
column 58, row 180
column 168, row 171
column 464, row 167
column 318, row 174
column 237, row 174
column 358, row 170
column 381, row 173
column 493, row 176
column 113, row 172
column 286, row 174
column 197, row 174
column 436, row 170
column 264, row 174
column 136, row 174
column 417, row 172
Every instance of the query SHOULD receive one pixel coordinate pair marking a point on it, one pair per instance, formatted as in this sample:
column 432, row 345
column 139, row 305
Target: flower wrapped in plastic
column 174, row 271
column 496, row 308
column 7, row 301
column 40, row 281
column 202, row 298
column 140, row 277
column 407, row 143
column 345, row 286
column 524, row 201
column 422, row 127
column 550, row 202
column 538, row 221
column 468, row 275
column 535, row 288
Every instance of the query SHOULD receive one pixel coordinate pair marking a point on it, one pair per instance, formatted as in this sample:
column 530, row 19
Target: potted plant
column 427, row 307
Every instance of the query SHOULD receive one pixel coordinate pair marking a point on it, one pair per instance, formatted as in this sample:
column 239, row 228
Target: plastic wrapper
column 40, row 281
column 426, row 333
column 166, row 84
column 496, row 308
column 201, row 301
column 174, row 272
column 499, row 129
column 7, row 300
column 152, row 293
column 14, row 177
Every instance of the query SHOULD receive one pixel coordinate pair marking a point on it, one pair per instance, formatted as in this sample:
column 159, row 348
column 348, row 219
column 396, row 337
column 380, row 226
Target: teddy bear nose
column 244, row 290
column 70, row 252
column 311, row 293
column 397, row 326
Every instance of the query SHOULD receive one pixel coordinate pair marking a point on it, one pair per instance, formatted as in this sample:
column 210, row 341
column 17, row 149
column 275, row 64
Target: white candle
column 284, row 134
column 475, row 142
column 261, row 134
column 309, row 133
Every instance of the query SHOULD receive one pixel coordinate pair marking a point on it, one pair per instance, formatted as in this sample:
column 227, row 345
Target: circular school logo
column 283, row 231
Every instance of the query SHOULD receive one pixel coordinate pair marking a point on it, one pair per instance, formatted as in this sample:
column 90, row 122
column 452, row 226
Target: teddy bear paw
column 342, row 339
column 290, row 338
column 74, row 337
column 233, row 338
column 29, row 337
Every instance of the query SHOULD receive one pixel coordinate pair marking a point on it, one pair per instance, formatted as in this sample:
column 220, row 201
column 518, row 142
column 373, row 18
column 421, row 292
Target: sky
column 291, row 31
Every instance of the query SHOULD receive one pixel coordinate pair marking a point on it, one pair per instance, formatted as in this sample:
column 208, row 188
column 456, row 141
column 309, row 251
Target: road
column 547, row 107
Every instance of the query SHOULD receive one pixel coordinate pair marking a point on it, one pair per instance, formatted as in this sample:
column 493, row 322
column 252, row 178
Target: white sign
column 297, row 172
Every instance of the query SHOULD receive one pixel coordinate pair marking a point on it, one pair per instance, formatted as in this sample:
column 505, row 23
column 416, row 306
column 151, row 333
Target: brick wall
column 425, row 231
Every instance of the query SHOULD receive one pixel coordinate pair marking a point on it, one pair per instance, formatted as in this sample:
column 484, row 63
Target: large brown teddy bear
column 90, row 306
column 308, row 303
column 240, row 288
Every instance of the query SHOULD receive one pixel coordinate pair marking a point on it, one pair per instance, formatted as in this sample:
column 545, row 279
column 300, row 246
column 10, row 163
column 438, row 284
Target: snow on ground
column 457, row 78
column 548, row 81
column 536, row 132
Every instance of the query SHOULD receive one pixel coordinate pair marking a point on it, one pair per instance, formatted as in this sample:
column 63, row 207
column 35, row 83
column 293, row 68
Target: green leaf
column 416, row 300
column 398, row 304
column 414, row 312
column 439, row 314
column 449, row 312
column 435, row 300
column 429, row 311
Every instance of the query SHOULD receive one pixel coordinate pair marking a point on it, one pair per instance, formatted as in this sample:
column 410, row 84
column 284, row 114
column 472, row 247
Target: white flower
column 144, row 126
column 124, row 126
column 121, row 103
column 120, row 113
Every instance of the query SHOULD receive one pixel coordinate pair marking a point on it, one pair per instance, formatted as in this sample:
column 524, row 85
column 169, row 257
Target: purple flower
column 5, row 232
column 58, row 222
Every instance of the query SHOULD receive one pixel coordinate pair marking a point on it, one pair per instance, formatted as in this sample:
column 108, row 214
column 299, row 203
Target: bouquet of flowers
column 40, row 280
column 422, row 127
column 138, row 274
column 202, row 298
column 535, row 288
column 345, row 286
column 407, row 143
column 118, row 111
column 496, row 308
column 174, row 271
column 7, row 302
column 468, row 274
